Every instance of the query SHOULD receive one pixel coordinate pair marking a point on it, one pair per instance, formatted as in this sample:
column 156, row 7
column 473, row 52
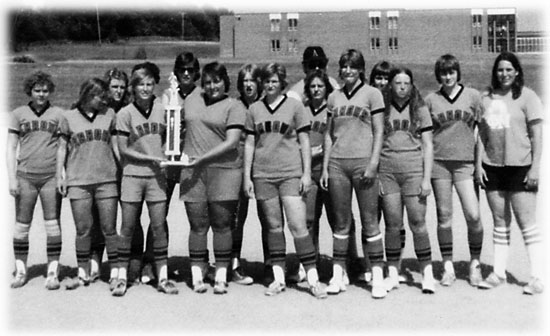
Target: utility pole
column 182, row 26
column 98, row 26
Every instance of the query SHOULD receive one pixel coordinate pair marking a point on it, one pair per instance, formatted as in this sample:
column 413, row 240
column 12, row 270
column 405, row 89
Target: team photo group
column 296, row 150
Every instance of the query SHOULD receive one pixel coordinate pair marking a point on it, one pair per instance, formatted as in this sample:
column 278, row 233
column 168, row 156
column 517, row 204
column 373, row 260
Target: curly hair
column 38, row 78
column 117, row 74
column 323, row 77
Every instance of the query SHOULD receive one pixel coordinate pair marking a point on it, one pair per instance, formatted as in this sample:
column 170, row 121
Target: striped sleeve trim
column 65, row 136
column 249, row 132
column 306, row 128
column 13, row 131
column 122, row 133
column 426, row 129
column 235, row 126
column 380, row 110
column 113, row 132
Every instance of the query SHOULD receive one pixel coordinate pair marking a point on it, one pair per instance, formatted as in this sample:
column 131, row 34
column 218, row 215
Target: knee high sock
column 422, row 248
column 222, row 247
column 111, row 243
column 393, row 246
column 340, row 245
column 160, row 245
column 445, row 240
column 373, row 248
column 124, row 247
column 475, row 242
column 535, row 250
column 501, row 241
column 306, row 252
column 53, row 239
column 277, row 248
column 82, row 246
column 198, row 252
column 21, row 242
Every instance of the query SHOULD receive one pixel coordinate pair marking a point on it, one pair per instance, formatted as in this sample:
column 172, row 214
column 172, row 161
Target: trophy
column 173, row 127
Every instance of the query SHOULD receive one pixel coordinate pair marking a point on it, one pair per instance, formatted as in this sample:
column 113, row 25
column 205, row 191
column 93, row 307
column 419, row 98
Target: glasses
column 186, row 69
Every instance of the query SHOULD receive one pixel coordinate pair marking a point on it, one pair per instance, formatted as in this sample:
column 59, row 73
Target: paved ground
column 457, row 309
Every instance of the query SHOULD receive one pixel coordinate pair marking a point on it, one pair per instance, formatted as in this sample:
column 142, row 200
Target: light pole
column 98, row 26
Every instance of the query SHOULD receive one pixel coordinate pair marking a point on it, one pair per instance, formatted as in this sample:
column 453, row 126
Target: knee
column 444, row 217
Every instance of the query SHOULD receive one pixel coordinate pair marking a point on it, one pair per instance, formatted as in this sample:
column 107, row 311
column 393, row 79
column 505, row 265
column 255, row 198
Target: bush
column 23, row 59
column 141, row 54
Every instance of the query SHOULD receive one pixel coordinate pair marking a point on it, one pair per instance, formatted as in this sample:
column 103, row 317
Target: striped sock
column 403, row 237
column 422, row 247
column 111, row 243
column 306, row 251
column 123, row 251
column 374, row 249
column 392, row 242
column 82, row 246
column 475, row 242
column 277, row 248
column 445, row 240
column 340, row 249
column 198, row 253
column 501, row 241
column 160, row 247
column 535, row 249
column 222, row 247
column 21, row 241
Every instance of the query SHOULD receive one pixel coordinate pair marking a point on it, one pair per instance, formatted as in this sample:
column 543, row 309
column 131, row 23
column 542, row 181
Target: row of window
column 375, row 43
column 374, row 22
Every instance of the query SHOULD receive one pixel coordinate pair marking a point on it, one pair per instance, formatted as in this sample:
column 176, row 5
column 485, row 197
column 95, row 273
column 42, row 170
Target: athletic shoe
column 379, row 290
column 491, row 281
column 318, row 291
column 239, row 278
column 199, row 287
column 77, row 282
column 275, row 288
column 403, row 278
column 428, row 285
column 447, row 279
column 534, row 286
column 297, row 277
column 391, row 283
column 365, row 277
column 52, row 282
column 475, row 275
column 167, row 287
column 19, row 280
column 120, row 288
column 94, row 276
column 220, row 287
column 112, row 283
column 147, row 274
column 336, row 286
column 345, row 278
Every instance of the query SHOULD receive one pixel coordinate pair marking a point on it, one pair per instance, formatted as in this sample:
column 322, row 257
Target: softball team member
column 87, row 173
column 405, row 171
column 508, row 166
column 141, row 128
column 31, row 173
column 248, row 80
column 117, row 80
column 210, row 184
column 455, row 112
column 278, row 157
column 352, row 150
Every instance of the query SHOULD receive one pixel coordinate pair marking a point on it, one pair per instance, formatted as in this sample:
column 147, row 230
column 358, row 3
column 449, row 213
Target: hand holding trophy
column 173, row 127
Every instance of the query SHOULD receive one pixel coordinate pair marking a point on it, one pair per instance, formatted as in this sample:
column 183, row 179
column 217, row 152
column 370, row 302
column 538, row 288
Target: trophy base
column 174, row 163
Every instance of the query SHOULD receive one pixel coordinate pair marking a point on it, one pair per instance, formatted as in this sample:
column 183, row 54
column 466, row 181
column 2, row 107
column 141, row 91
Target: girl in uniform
column 117, row 80
column 210, row 184
column 455, row 112
column 277, row 173
column 141, row 131
column 508, row 166
column 87, row 173
column 31, row 173
column 352, row 150
column 405, row 171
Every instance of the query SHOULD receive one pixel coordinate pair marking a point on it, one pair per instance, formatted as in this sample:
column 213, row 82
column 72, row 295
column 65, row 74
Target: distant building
column 395, row 33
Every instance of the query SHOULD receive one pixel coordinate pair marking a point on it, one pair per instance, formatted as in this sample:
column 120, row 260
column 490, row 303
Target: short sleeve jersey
column 90, row 157
column 503, row 127
column 297, row 91
column 207, row 125
column 38, row 134
column 146, row 131
column 454, row 121
column 317, row 134
column 277, row 152
column 351, row 114
column 402, row 145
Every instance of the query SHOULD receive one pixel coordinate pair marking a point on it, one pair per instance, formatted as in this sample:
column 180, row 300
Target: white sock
column 278, row 274
column 235, row 263
column 378, row 274
column 20, row 267
column 427, row 273
column 196, row 273
column 163, row 272
column 122, row 273
column 312, row 276
column 221, row 274
column 94, row 266
column 337, row 272
column 536, row 259
column 114, row 273
column 82, row 273
column 52, row 267
column 501, row 259
column 448, row 266
column 392, row 272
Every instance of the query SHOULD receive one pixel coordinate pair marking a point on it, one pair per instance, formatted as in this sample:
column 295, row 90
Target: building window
column 477, row 42
column 392, row 43
column 476, row 20
column 275, row 45
column 392, row 19
column 375, row 43
column 292, row 21
column 501, row 28
column 293, row 46
column 275, row 20
column 374, row 20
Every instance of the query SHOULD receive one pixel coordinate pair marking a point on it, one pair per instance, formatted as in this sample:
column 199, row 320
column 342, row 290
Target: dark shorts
column 507, row 178
column 268, row 188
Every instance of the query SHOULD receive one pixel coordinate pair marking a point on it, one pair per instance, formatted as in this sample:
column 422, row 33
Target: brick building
column 389, row 34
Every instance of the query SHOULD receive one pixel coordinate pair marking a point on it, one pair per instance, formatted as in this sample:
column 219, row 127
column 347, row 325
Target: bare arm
column 11, row 161
column 378, row 135
column 428, row 157
column 60, row 166
column 303, row 138
column 535, row 135
column 114, row 143
column 249, row 146
column 327, row 147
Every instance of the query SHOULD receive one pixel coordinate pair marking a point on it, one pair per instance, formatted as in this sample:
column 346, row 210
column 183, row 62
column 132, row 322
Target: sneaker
column 491, row 281
column 220, row 287
column 336, row 286
column 297, row 277
column 112, row 283
column 77, row 282
column 120, row 288
column 94, row 276
column 318, row 291
column 345, row 278
column 447, row 279
column 391, row 283
column 428, row 286
column 475, row 275
column 167, row 287
column 19, row 280
column 275, row 288
column 402, row 278
column 379, row 290
column 239, row 278
column 534, row 286
column 52, row 282
column 147, row 274
column 199, row 287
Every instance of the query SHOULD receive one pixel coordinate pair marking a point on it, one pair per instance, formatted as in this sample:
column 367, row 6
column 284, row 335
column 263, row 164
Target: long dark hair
column 88, row 90
column 323, row 77
column 518, row 83
column 415, row 98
